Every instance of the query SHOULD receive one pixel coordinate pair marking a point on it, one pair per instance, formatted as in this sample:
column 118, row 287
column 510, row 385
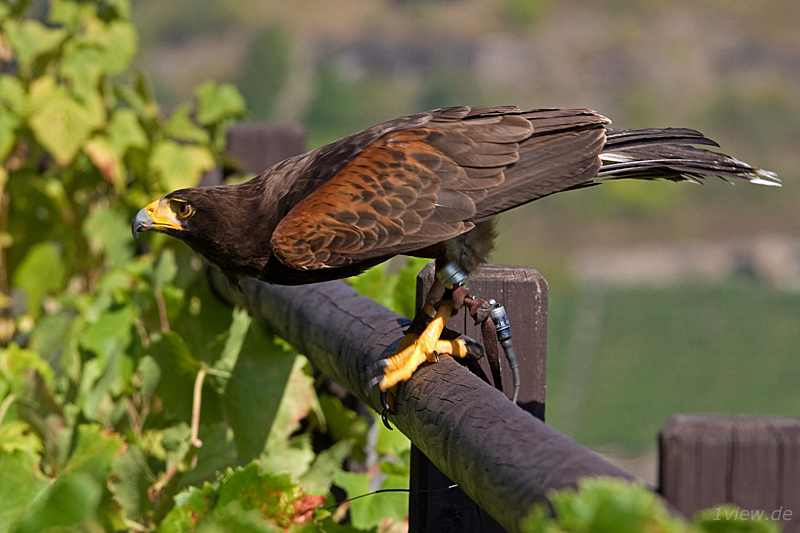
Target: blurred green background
column 663, row 298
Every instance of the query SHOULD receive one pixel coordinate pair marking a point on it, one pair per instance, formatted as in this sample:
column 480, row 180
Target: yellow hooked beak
column 156, row 216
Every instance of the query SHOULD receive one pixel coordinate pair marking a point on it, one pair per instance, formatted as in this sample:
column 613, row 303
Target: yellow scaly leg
column 425, row 347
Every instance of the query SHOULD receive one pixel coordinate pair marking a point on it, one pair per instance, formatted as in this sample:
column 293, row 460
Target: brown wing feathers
column 374, row 206
column 417, row 187
column 424, row 179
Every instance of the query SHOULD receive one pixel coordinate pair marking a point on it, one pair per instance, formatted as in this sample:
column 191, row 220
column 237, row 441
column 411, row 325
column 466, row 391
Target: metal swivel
column 451, row 275
column 502, row 328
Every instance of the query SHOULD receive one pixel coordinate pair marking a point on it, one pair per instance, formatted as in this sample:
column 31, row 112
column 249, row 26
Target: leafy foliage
column 614, row 505
column 130, row 397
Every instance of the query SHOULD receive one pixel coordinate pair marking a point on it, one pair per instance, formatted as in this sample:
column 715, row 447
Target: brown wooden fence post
column 523, row 293
column 256, row 146
column 752, row 463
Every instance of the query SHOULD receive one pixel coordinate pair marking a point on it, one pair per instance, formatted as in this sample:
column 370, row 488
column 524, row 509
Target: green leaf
column 100, row 381
column 232, row 517
column 49, row 335
column 175, row 440
column 149, row 375
column 39, row 274
column 405, row 299
column 252, row 488
column 205, row 325
column 131, row 478
column 21, row 484
column 12, row 93
column 118, row 40
column 291, row 456
column 357, row 484
column 190, row 507
column 343, row 423
column 298, row 401
column 101, row 49
column 217, row 454
column 255, row 389
column 181, row 127
column 71, row 501
column 15, row 361
column 125, row 131
column 218, row 102
column 165, row 269
column 322, row 473
column 234, row 340
column 175, row 360
column 81, row 65
column 180, row 166
column 71, row 14
column 394, row 505
column 16, row 435
column 392, row 443
column 8, row 128
column 111, row 333
column 59, row 122
column 30, row 39
column 377, row 284
column 603, row 504
column 94, row 452
column 108, row 232
column 367, row 513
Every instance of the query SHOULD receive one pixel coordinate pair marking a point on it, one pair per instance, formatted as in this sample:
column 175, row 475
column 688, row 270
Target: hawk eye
column 185, row 209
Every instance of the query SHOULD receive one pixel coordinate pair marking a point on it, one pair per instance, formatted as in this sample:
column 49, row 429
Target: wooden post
column 752, row 463
column 523, row 293
column 256, row 146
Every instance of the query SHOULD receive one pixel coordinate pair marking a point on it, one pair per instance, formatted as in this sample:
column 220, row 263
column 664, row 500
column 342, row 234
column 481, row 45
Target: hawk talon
column 386, row 410
column 385, row 420
column 373, row 382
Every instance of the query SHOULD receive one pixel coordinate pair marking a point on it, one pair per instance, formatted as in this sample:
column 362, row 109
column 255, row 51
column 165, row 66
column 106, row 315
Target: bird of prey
column 426, row 185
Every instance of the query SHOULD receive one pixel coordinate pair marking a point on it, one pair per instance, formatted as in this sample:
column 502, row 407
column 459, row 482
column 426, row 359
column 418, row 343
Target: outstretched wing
column 416, row 187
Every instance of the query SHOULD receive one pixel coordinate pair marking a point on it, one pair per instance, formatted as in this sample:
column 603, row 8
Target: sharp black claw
column 385, row 403
column 386, row 410
column 385, row 419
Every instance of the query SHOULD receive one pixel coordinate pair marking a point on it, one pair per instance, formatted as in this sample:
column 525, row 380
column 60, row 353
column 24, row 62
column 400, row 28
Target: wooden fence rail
column 503, row 457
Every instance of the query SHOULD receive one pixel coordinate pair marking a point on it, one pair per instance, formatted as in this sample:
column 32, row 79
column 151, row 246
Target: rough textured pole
column 753, row 463
column 523, row 293
column 256, row 146
column 503, row 457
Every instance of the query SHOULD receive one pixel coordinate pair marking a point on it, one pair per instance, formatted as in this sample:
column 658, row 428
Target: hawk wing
column 420, row 185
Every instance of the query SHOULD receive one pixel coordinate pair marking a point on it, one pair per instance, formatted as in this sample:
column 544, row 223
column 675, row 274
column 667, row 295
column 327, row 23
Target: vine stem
column 162, row 310
column 5, row 405
column 196, row 400
column 167, row 486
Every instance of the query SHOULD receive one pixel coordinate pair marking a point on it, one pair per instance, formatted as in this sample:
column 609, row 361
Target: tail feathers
column 660, row 154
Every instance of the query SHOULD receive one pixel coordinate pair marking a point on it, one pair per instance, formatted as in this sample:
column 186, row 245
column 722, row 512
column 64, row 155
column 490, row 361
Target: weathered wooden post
column 752, row 463
column 523, row 293
column 256, row 146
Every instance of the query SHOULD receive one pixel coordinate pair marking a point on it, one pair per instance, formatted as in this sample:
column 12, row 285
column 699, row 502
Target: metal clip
column 502, row 327
column 451, row 275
